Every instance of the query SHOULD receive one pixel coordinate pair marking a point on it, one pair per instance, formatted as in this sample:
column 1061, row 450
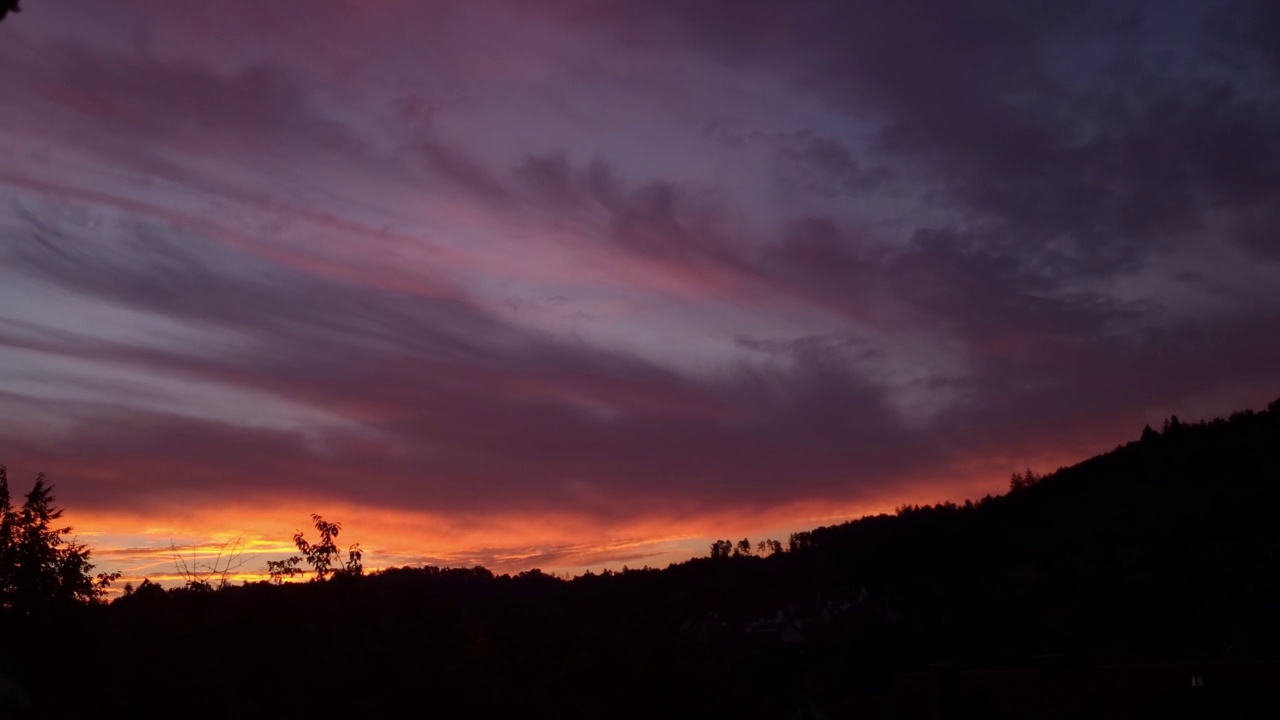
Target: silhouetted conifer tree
column 38, row 568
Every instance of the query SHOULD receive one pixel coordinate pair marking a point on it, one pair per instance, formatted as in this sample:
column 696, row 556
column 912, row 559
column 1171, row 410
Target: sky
column 570, row 284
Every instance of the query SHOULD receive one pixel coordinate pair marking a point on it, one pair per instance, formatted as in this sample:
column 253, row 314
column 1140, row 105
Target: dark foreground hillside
column 1140, row 583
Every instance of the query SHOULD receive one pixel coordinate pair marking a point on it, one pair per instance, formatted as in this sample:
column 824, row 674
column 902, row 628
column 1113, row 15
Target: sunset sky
column 570, row 284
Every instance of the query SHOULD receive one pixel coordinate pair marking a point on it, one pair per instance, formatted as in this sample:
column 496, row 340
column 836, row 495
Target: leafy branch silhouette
column 200, row 576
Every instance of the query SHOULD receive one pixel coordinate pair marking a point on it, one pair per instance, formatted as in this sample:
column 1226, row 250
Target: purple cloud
column 636, row 263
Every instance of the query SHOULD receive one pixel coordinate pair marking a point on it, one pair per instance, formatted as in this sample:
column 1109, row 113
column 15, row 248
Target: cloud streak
column 651, row 270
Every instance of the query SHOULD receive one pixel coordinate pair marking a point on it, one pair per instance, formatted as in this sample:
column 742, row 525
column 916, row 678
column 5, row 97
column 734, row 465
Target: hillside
column 1098, row 590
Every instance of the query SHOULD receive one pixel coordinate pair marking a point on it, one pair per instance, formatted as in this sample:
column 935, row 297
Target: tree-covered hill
column 1098, row 590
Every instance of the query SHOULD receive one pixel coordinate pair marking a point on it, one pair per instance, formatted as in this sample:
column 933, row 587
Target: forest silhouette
column 1140, row 583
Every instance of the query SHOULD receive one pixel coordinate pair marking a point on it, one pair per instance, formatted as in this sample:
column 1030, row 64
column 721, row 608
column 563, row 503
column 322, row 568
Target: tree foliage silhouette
column 721, row 548
column 280, row 570
column 1023, row 480
column 324, row 557
column 9, row 6
column 769, row 547
column 212, row 574
column 38, row 567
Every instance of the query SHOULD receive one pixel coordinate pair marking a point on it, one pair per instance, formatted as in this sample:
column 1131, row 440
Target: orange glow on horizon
column 143, row 545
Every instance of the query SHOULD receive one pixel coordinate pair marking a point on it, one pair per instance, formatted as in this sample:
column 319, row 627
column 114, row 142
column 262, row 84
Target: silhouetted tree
column 1149, row 435
column 799, row 540
column 9, row 6
column 146, row 589
column 1023, row 479
column 324, row 557
column 8, row 532
column 280, row 570
column 721, row 549
column 208, row 575
column 768, row 547
column 743, row 548
column 38, row 568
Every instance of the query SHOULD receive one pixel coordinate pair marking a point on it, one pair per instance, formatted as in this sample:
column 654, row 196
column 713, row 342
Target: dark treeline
column 1139, row 583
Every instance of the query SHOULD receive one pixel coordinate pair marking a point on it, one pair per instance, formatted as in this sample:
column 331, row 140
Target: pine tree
column 39, row 569
column 8, row 546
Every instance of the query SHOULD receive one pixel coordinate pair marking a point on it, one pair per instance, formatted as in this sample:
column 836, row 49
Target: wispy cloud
column 650, row 270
